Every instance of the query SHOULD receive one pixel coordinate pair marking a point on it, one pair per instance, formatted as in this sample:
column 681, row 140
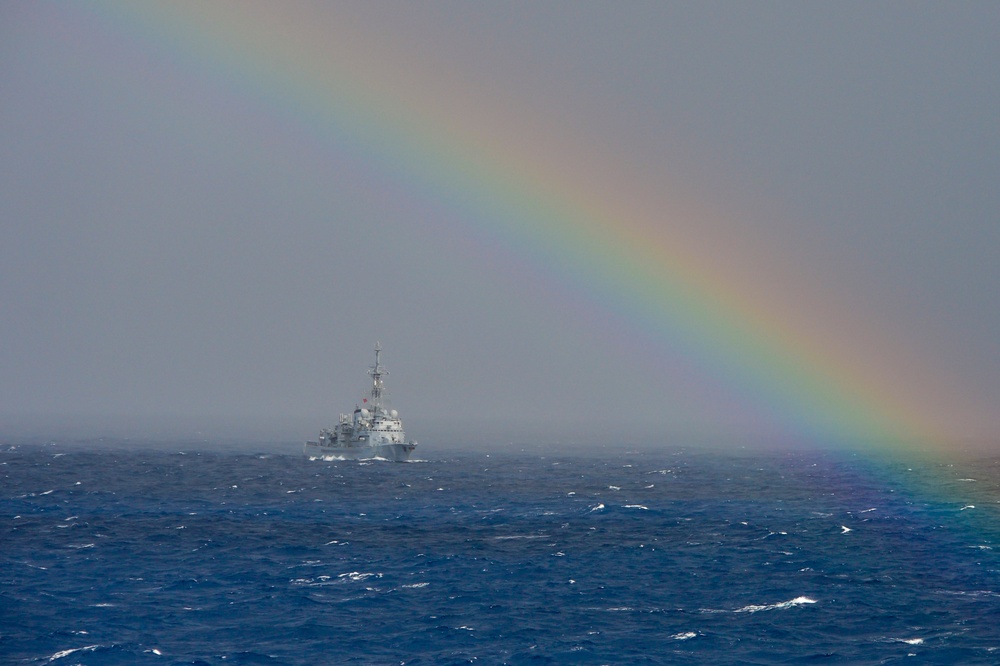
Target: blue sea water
column 162, row 556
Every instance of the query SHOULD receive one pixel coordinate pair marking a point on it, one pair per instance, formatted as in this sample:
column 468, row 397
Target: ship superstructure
column 372, row 431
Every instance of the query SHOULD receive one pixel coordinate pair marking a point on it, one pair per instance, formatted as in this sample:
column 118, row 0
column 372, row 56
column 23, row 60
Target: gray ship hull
column 396, row 452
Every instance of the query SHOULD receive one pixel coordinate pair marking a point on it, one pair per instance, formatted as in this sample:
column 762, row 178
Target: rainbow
column 614, row 254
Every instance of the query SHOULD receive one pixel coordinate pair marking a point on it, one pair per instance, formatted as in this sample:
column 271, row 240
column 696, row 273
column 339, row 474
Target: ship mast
column 376, row 373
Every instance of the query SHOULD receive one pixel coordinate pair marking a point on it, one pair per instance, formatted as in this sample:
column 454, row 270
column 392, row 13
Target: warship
column 372, row 431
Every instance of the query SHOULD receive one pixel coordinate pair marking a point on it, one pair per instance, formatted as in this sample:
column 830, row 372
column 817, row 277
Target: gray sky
column 185, row 243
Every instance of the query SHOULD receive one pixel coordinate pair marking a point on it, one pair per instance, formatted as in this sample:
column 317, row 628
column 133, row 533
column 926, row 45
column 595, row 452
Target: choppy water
column 163, row 557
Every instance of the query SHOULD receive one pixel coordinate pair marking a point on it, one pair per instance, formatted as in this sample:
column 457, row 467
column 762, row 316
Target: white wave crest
column 908, row 641
column 66, row 653
column 356, row 576
column 797, row 601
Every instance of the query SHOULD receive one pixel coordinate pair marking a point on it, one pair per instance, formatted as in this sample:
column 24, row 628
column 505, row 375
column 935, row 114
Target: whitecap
column 66, row 653
column 599, row 507
column 685, row 635
column 636, row 506
column 908, row 641
column 415, row 585
column 797, row 601
column 771, row 534
column 356, row 576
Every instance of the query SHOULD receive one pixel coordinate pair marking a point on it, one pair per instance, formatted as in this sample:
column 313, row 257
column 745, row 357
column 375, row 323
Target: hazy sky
column 210, row 213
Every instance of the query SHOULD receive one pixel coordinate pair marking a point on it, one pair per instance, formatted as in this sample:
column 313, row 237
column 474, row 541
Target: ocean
column 173, row 555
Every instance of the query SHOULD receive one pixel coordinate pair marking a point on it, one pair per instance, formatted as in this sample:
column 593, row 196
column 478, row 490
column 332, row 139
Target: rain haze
column 602, row 222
